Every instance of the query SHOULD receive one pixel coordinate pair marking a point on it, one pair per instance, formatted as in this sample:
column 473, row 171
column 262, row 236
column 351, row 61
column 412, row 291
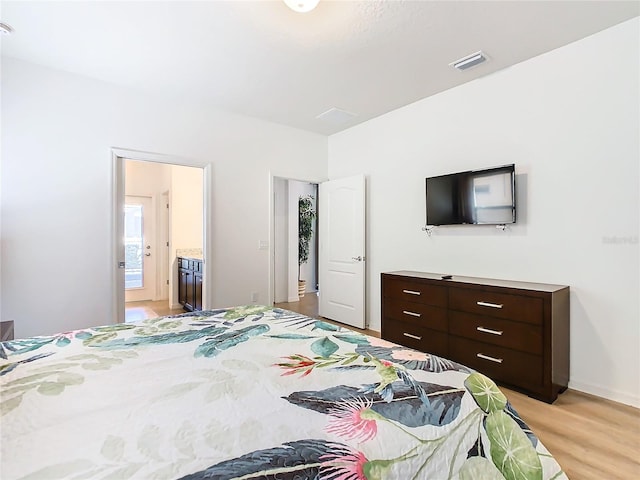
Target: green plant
column 306, row 216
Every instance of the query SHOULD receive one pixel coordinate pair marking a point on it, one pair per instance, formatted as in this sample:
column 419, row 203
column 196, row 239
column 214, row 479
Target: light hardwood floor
column 308, row 305
column 136, row 311
column 590, row 437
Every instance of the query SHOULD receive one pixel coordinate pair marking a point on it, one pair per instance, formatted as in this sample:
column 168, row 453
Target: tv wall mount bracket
column 430, row 228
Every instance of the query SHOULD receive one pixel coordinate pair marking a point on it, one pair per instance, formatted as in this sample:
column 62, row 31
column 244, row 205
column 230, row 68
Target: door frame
column 164, row 242
column 272, row 230
column 118, row 156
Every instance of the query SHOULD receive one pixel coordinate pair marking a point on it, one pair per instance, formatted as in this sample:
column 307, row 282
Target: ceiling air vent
column 469, row 61
column 335, row 116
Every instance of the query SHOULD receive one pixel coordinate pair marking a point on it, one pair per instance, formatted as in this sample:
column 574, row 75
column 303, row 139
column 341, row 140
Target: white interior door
column 342, row 250
column 139, row 234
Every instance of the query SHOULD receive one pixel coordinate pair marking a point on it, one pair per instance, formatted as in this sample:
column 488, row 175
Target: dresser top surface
column 492, row 282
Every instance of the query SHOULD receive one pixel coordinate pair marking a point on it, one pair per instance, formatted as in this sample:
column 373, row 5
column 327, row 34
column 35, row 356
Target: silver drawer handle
column 488, row 330
column 487, row 304
column 487, row 357
column 411, row 292
column 415, row 337
column 413, row 314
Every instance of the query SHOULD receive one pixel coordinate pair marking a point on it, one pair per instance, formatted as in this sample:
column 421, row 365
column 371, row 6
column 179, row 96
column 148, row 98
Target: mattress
column 252, row 392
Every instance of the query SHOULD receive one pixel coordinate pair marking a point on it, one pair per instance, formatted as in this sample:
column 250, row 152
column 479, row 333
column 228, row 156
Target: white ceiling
column 261, row 59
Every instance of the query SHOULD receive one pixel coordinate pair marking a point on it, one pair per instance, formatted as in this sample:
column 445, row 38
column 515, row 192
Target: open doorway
column 340, row 247
column 295, row 283
column 162, row 220
column 160, row 214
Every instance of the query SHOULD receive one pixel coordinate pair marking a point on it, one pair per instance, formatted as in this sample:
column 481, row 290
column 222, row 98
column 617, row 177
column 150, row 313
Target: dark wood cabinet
column 190, row 283
column 182, row 285
column 515, row 332
column 197, row 289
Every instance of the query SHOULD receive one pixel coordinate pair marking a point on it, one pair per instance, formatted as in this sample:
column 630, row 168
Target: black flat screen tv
column 476, row 197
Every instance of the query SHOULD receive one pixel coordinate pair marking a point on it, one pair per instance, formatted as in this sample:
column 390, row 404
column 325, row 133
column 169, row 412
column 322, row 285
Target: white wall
column 281, row 240
column 57, row 131
column 146, row 178
column 292, row 241
column 569, row 120
column 186, row 207
column 186, row 219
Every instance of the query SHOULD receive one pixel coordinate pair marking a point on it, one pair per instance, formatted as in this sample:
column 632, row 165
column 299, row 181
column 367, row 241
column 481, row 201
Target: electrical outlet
column 263, row 245
column 254, row 297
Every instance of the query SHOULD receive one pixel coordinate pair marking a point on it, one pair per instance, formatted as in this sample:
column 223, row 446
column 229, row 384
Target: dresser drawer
column 502, row 364
column 413, row 336
column 494, row 304
column 417, row 314
column 504, row 333
column 415, row 292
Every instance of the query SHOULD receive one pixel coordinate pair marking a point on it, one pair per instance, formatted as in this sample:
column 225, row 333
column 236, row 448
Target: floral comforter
column 248, row 393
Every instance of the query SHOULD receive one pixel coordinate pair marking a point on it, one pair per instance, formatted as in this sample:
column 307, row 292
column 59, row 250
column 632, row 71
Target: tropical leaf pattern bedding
column 252, row 393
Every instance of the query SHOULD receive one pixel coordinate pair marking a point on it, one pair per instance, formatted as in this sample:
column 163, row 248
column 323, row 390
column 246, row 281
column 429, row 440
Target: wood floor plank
column 137, row 311
column 591, row 437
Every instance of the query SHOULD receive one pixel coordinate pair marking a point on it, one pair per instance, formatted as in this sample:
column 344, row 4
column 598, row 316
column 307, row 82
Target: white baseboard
column 293, row 299
column 616, row 396
column 175, row 305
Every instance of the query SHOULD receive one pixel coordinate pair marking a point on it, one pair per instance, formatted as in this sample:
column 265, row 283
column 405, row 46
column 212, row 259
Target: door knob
column 358, row 258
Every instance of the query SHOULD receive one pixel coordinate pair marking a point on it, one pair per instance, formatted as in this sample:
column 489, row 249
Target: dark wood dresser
column 515, row 332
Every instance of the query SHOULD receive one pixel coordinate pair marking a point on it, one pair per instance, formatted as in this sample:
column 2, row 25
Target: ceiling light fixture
column 469, row 61
column 5, row 29
column 301, row 6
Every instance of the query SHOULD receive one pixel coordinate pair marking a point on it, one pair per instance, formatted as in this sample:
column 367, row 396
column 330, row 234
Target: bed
column 252, row 392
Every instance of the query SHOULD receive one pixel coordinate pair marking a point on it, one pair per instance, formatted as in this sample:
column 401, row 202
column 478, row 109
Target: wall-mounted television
column 476, row 197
